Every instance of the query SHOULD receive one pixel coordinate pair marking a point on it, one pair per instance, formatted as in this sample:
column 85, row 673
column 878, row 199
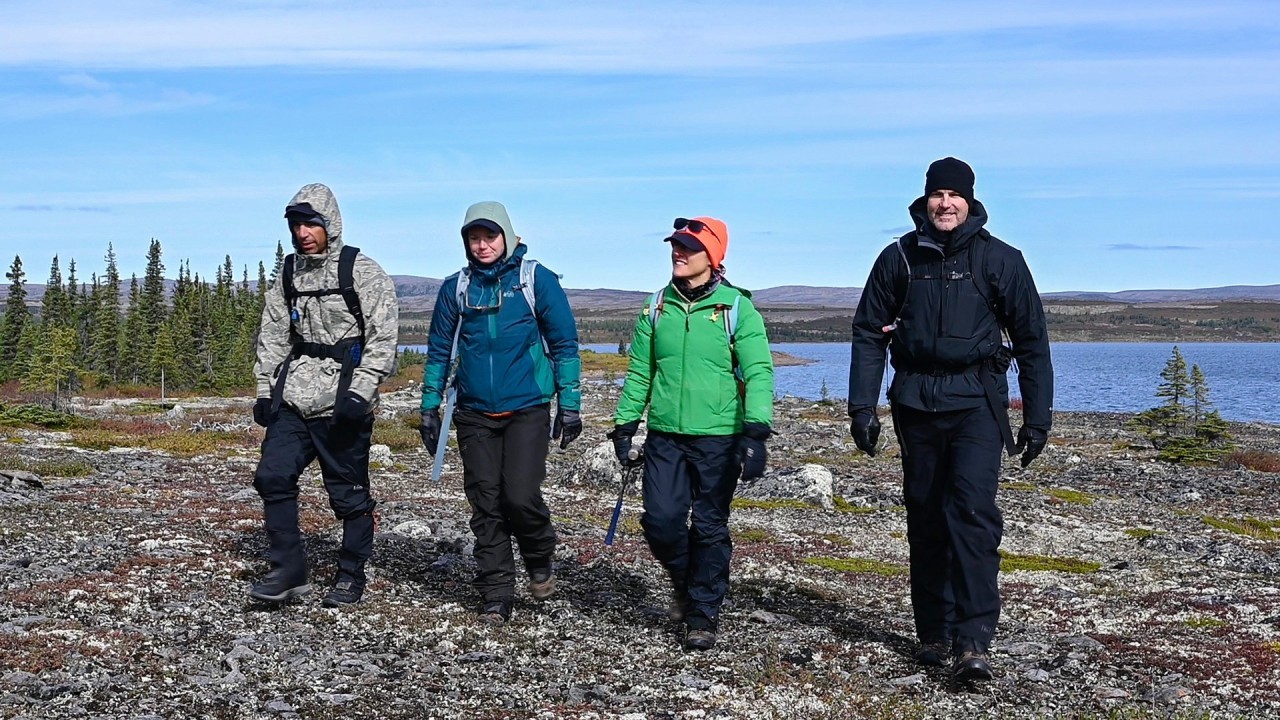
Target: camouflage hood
column 320, row 199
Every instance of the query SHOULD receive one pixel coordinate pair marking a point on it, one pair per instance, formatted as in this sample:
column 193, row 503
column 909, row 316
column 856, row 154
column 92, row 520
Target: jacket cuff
column 756, row 431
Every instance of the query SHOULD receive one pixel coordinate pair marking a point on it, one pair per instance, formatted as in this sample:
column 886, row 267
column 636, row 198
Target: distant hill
column 418, row 294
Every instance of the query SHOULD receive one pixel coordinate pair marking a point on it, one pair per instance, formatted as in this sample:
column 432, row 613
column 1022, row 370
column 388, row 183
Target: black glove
column 262, row 411
column 351, row 409
column 567, row 427
column 1033, row 441
column 864, row 426
column 621, row 436
column 751, row 450
column 429, row 429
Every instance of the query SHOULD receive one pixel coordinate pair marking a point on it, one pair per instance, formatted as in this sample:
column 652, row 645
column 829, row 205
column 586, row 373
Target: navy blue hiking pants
column 951, row 468
column 688, row 484
column 504, row 463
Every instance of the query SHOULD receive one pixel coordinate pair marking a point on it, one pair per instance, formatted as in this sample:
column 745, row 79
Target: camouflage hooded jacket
column 312, row 383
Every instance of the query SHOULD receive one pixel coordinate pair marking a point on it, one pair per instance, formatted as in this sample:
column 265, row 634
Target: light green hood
column 494, row 212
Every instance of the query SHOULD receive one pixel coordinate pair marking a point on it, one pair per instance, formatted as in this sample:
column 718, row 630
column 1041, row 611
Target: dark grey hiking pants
column 504, row 462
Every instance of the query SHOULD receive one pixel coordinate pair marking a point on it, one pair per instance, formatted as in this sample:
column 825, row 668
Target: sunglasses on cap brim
column 694, row 226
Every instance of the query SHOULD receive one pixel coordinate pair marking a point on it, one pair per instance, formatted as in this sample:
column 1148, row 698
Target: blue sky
column 1119, row 145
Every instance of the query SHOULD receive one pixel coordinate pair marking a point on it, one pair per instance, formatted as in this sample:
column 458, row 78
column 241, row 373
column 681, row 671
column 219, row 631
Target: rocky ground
column 1132, row 588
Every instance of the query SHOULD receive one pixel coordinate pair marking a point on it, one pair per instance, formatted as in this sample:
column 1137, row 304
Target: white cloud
column 665, row 37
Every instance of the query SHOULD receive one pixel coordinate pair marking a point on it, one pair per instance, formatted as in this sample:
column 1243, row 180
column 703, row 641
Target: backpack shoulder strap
column 902, row 291
column 655, row 307
column 347, row 285
column 286, row 280
column 460, row 290
column 978, row 269
column 527, row 272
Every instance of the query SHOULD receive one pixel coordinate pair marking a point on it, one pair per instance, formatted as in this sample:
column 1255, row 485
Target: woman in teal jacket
column 700, row 363
column 517, row 348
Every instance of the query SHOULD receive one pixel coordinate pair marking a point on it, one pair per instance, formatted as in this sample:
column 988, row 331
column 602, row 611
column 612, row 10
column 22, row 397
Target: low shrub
column 1259, row 460
column 27, row 415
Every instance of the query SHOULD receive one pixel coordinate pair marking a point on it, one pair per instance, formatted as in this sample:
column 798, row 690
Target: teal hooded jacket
column 502, row 363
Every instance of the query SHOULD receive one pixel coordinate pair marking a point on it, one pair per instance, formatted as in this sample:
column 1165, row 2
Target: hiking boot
column 699, row 639
column 934, row 654
column 972, row 665
column 495, row 612
column 344, row 592
column 279, row 586
column 542, row 583
column 680, row 605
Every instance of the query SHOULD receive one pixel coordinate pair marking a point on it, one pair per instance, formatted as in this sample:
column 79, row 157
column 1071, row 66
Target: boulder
column 809, row 483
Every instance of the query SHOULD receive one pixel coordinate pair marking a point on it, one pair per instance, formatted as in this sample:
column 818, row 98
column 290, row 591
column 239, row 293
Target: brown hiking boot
column 934, row 654
column 700, row 639
column 495, row 612
column 542, row 583
column 972, row 665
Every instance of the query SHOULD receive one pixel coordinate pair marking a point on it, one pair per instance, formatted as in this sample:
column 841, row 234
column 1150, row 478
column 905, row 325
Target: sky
column 1118, row 145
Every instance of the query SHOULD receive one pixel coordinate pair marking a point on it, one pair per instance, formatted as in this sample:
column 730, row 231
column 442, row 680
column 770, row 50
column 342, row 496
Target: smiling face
column 947, row 210
column 485, row 245
column 310, row 238
column 691, row 266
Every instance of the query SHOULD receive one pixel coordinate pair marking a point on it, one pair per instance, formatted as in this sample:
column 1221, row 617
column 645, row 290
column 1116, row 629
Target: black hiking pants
column 504, row 462
column 688, row 484
column 291, row 444
column 951, row 468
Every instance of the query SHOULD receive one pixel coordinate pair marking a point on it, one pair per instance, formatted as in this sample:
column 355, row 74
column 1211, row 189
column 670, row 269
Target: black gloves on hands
column 351, row 409
column 864, row 426
column 429, row 429
column 621, row 436
column 262, row 411
column 751, row 450
column 1031, row 442
column 567, row 427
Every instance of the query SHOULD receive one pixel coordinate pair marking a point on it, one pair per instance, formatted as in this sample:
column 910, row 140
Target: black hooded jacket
column 946, row 323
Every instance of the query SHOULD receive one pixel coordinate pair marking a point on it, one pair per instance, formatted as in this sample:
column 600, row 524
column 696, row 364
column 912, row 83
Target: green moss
column 1140, row 533
column 858, row 565
column 1010, row 562
column 847, row 507
column 1073, row 497
column 1203, row 623
column 1252, row 527
column 898, row 535
column 144, row 408
column 754, row 535
column 1019, row 486
column 748, row 504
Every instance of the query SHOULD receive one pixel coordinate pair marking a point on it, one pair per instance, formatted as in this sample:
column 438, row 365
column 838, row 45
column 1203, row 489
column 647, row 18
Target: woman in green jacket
column 700, row 363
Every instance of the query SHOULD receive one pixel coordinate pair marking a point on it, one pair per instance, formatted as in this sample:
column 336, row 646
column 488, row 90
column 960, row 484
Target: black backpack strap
column 347, row 285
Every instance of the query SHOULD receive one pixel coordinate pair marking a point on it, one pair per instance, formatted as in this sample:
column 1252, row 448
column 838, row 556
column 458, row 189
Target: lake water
column 1244, row 378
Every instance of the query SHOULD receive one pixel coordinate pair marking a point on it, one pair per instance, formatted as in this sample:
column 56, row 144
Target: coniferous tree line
column 200, row 337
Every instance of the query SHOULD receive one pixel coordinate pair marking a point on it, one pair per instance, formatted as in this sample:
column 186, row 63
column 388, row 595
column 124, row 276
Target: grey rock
column 808, row 483
column 908, row 680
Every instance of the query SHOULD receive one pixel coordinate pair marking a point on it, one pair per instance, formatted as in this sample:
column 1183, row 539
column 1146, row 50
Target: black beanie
column 950, row 174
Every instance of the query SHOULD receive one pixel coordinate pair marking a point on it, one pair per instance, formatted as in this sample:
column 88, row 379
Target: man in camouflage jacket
column 317, row 392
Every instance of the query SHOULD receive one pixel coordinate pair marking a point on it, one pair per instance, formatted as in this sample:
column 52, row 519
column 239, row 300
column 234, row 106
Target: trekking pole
column 633, row 455
column 438, row 467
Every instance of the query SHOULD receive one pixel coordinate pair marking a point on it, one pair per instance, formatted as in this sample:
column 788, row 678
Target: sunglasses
column 694, row 226
column 495, row 306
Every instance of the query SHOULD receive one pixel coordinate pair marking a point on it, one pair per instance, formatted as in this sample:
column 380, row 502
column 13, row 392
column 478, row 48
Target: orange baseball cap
column 702, row 233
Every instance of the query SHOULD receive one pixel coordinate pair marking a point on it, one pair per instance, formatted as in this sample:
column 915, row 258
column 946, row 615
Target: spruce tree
column 56, row 305
column 53, row 366
column 1199, row 394
column 134, row 343
column 106, row 320
column 275, row 270
column 16, row 318
column 152, row 308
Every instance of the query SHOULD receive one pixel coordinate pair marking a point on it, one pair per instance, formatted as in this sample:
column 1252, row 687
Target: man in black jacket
column 938, row 300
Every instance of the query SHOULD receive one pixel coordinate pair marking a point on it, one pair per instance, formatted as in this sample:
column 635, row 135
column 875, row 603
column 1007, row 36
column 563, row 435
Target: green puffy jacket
column 685, row 376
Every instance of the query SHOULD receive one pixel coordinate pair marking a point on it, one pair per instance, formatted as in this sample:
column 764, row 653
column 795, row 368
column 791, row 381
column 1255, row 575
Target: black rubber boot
column 288, row 576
